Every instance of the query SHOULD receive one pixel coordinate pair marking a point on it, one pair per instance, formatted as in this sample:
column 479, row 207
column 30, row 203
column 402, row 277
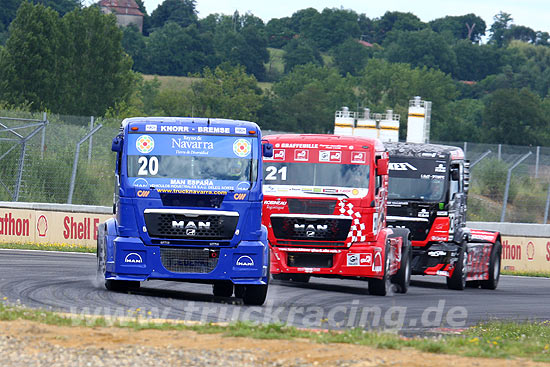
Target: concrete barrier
column 51, row 223
column 525, row 247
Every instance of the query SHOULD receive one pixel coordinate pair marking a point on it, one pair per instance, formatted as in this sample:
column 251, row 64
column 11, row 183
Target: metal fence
column 68, row 159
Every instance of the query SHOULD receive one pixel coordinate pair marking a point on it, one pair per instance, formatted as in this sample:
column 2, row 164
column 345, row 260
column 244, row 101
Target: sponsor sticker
column 241, row 147
column 301, row 155
column 358, row 157
column 279, row 154
column 151, row 128
column 145, row 144
column 240, row 130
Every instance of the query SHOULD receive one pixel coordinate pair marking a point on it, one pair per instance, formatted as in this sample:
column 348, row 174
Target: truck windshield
column 417, row 178
column 316, row 174
column 192, row 161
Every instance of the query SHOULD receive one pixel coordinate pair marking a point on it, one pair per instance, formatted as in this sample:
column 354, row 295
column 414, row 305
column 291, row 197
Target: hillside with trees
column 488, row 83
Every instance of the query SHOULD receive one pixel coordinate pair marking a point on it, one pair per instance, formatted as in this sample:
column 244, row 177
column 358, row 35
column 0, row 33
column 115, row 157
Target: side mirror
column 117, row 144
column 382, row 167
column 455, row 175
column 267, row 150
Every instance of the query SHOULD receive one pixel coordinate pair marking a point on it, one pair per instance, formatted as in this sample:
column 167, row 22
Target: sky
column 534, row 14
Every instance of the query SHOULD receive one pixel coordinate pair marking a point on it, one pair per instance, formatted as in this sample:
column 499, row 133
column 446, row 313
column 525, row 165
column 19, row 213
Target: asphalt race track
column 66, row 282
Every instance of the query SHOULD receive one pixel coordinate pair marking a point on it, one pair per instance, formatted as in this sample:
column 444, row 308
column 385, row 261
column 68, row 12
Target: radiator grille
column 311, row 206
column 169, row 225
column 187, row 260
column 303, row 228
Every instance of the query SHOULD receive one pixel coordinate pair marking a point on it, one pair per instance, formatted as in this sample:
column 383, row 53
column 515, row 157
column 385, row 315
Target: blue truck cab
column 188, row 202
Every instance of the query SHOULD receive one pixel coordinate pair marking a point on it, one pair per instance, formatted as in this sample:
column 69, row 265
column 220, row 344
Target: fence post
column 537, row 163
column 465, row 148
column 547, row 205
column 91, row 140
column 43, row 141
column 75, row 162
column 480, row 158
column 499, row 151
column 506, row 190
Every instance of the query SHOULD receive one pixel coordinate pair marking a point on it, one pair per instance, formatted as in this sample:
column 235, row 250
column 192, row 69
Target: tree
column 173, row 50
column 332, row 27
column 241, row 40
column 501, row 23
column 9, row 10
column 181, row 12
column 226, row 92
column 351, row 56
column 33, row 61
column 383, row 85
column 475, row 62
column 469, row 27
column 420, row 48
column 101, row 74
column 134, row 44
column 279, row 32
column 305, row 100
column 515, row 117
column 396, row 21
column 60, row 6
column 300, row 52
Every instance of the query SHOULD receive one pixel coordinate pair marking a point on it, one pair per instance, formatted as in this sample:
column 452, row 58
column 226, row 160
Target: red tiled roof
column 365, row 43
column 122, row 7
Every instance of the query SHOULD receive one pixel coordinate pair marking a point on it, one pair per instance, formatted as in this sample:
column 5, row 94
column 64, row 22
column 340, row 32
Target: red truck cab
column 325, row 210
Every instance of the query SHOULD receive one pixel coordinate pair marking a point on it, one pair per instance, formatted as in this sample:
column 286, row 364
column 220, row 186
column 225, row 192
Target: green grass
column 64, row 247
column 540, row 274
column 495, row 339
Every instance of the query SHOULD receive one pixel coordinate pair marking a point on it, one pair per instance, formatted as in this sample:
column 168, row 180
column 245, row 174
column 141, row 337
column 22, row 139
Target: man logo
column 311, row 230
column 133, row 258
column 190, row 227
column 245, row 261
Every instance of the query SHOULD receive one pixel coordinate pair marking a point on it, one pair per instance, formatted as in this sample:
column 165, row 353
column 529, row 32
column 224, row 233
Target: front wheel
column 381, row 287
column 403, row 276
column 457, row 281
column 494, row 268
column 224, row 289
column 253, row 295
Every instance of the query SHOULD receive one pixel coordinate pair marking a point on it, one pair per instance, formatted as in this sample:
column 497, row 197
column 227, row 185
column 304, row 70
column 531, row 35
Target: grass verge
column 540, row 274
column 64, row 247
column 494, row 339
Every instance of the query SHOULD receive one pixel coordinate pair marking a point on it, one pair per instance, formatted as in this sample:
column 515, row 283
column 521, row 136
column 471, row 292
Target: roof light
column 251, row 132
column 134, row 128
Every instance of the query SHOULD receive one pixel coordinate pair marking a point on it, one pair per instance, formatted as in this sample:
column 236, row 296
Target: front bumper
column 130, row 259
column 435, row 259
column 361, row 260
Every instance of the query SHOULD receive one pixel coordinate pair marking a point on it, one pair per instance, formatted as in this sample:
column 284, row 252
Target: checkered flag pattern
column 356, row 231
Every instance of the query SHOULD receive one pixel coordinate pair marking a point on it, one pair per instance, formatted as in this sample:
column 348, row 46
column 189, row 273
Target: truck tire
column 254, row 295
column 403, row 276
column 381, row 287
column 458, row 280
column 121, row 285
column 494, row 268
column 100, row 254
column 222, row 289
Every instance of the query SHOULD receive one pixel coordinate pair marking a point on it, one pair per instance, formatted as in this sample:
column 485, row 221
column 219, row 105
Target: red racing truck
column 428, row 190
column 325, row 210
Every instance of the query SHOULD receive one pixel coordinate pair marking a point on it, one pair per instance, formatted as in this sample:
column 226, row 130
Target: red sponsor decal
column 510, row 251
column 75, row 230
column 548, row 251
column 358, row 157
column 365, row 259
column 530, row 251
column 13, row 226
column 42, row 226
column 301, row 155
column 278, row 154
column 330, row 156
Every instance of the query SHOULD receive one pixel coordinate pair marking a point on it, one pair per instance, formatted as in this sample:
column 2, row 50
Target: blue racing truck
column 188, row 202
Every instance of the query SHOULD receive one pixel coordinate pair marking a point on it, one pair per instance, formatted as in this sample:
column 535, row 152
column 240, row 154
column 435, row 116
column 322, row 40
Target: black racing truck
column 428, row 189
